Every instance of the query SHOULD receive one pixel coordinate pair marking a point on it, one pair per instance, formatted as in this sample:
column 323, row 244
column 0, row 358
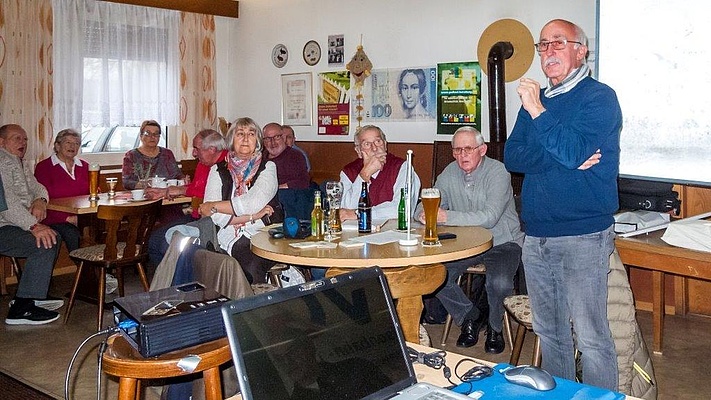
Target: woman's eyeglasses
column 151, row 134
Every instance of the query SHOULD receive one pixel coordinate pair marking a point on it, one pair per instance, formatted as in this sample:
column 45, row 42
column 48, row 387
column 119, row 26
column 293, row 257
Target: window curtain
column 198, row 107
column 118, row 64
column 26, row 71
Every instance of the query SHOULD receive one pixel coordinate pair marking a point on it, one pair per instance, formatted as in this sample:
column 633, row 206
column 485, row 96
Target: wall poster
column 405, row 94
column 459, row 96
column 334, row 102
column 296, row 99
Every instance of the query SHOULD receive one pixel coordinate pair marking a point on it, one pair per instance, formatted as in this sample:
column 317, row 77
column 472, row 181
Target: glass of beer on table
column 94, row 182
column 430, row 202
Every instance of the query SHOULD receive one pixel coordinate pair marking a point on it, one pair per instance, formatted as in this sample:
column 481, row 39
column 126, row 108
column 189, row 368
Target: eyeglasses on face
column 151, row 134
column 273, row 138
column 369, row 145
column 464, row 150
column 558, row 44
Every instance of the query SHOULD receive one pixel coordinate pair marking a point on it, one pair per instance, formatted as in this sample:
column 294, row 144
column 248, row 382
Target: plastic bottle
column 317, row 217
column 364, row 210
column 401, row 215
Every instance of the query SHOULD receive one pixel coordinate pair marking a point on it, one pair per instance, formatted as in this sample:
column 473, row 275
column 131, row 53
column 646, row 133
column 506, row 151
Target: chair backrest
column 140, row 220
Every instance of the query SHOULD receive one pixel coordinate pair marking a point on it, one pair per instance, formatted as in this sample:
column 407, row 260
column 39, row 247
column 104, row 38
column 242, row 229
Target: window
column 127, row 71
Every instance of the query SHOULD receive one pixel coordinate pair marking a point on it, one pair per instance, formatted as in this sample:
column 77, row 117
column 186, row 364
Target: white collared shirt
column 56, row 160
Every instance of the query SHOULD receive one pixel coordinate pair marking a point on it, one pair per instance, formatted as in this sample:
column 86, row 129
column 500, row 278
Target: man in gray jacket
column 476, row 191
column 23, row 236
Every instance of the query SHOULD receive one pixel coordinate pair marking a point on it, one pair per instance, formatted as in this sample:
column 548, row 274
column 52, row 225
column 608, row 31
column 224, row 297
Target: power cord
column 434, row 360
column 102, row 349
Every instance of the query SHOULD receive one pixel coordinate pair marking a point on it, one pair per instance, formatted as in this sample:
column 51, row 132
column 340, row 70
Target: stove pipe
column 498, row 53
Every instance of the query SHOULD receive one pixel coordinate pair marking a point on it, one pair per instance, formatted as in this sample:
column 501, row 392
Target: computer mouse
column 530, row 376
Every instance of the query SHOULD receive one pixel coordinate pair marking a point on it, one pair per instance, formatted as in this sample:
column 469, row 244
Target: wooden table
column 81, row 205
column 649, row 251
column 411, row 271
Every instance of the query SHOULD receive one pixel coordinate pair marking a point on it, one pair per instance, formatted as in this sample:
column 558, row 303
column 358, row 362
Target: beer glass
column 430, row 202
column 94, row 182
column 334, row 193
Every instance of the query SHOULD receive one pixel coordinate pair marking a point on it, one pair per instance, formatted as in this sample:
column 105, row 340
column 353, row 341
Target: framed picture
column 297, row 99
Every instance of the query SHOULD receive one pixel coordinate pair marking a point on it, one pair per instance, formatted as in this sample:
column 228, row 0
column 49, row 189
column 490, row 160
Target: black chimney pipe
column 498, row 53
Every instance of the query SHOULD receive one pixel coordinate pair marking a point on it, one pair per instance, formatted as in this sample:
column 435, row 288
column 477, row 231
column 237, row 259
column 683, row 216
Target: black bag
column 637, row 194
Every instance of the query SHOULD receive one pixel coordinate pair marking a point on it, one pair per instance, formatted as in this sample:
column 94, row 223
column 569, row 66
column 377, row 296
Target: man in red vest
column 384, row 172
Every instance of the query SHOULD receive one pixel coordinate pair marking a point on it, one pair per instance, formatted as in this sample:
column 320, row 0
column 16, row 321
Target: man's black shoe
column 470, row 331
column 494, row 341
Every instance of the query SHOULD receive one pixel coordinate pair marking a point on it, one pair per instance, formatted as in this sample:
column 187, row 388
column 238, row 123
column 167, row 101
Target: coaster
column 438, row 244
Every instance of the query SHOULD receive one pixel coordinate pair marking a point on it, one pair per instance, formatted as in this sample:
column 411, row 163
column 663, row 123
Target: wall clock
column 312, row 52
column 280, row 55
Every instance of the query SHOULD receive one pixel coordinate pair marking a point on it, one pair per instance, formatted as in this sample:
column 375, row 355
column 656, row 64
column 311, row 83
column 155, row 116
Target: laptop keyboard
column 438, row 396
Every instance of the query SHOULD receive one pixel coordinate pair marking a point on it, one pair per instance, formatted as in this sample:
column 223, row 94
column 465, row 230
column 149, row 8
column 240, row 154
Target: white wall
column 396, row 33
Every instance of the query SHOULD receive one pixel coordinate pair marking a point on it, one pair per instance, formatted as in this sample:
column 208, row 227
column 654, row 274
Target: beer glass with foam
column 94, row 182
column 430, row 202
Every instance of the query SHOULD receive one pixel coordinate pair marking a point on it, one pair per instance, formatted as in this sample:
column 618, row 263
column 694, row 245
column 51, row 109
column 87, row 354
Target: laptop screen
column 333, row 339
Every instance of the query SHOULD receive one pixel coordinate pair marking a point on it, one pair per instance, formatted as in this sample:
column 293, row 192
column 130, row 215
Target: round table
column 411, row 271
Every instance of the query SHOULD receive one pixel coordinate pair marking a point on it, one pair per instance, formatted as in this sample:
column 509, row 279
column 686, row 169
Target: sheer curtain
column 115, row 64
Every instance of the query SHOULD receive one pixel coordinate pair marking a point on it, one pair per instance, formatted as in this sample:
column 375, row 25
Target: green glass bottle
column 401, row 215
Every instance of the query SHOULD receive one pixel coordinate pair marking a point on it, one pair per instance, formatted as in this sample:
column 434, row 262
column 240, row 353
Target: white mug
column 138, row 194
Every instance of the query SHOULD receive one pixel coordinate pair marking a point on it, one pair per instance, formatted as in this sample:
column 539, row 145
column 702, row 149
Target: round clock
column 280, row 55
column 312, row 52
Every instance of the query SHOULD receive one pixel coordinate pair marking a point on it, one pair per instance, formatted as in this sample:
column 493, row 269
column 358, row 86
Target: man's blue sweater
column 558, row 199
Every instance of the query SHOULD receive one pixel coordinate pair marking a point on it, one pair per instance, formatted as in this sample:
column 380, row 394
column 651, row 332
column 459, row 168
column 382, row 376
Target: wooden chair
column 518, row 307
column 125, row 362
column 15, row 269
column 479, row 269
column 139, row 221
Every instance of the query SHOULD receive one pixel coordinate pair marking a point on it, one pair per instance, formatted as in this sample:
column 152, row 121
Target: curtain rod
column 223, row 8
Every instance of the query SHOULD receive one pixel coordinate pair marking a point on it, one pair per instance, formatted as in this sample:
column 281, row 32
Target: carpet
column 12, row 389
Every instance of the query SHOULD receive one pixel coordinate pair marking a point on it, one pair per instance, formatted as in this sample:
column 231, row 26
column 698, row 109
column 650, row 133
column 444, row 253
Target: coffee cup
column 138, row 194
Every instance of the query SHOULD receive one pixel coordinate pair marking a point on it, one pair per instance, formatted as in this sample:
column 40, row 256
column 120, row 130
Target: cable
column 106, row 332
column 434, row 360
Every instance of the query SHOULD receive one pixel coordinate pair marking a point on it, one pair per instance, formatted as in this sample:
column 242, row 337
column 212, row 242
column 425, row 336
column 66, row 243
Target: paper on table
column 314, row 245
column 351, row 225
column 383, row 237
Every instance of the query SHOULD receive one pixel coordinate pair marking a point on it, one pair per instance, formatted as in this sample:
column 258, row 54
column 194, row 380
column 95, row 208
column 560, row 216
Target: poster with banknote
column 405, row 94
column 459, row 96
column 334, row 102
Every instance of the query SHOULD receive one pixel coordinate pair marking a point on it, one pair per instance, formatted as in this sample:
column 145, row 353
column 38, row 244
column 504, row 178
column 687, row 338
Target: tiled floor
column 40, row 355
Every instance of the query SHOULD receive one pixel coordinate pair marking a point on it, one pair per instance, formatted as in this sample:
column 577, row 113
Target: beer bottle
column 317, row 217
column 364, row 209
column 401, row 216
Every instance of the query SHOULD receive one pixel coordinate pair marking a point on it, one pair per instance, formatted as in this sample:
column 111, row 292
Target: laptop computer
column 334, row 338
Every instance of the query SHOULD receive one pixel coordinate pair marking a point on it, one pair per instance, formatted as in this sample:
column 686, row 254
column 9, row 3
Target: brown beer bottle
column 364, row 210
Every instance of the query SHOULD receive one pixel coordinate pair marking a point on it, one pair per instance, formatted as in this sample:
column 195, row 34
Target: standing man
column 209, row 148
column 22, row 234
column 566, row 142
column 476, row 191
column 291, row 166
column 290, row 139
column 384, row 172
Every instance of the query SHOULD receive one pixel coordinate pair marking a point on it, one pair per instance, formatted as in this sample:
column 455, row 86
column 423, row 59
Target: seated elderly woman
column 149, row 159
column 237, row 201
column 64, row 174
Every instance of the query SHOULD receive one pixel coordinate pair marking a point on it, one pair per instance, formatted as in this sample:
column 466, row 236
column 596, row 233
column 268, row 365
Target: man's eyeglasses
column 151, row 134
column 275, row 137
column 369, row 145
column 558, row 44
column 465, row 150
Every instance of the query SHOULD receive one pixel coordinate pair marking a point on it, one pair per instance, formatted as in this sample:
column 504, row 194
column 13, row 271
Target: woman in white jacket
column 238, row 212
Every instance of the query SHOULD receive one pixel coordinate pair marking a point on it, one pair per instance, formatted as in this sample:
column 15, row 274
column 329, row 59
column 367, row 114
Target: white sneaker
column 50, row 303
